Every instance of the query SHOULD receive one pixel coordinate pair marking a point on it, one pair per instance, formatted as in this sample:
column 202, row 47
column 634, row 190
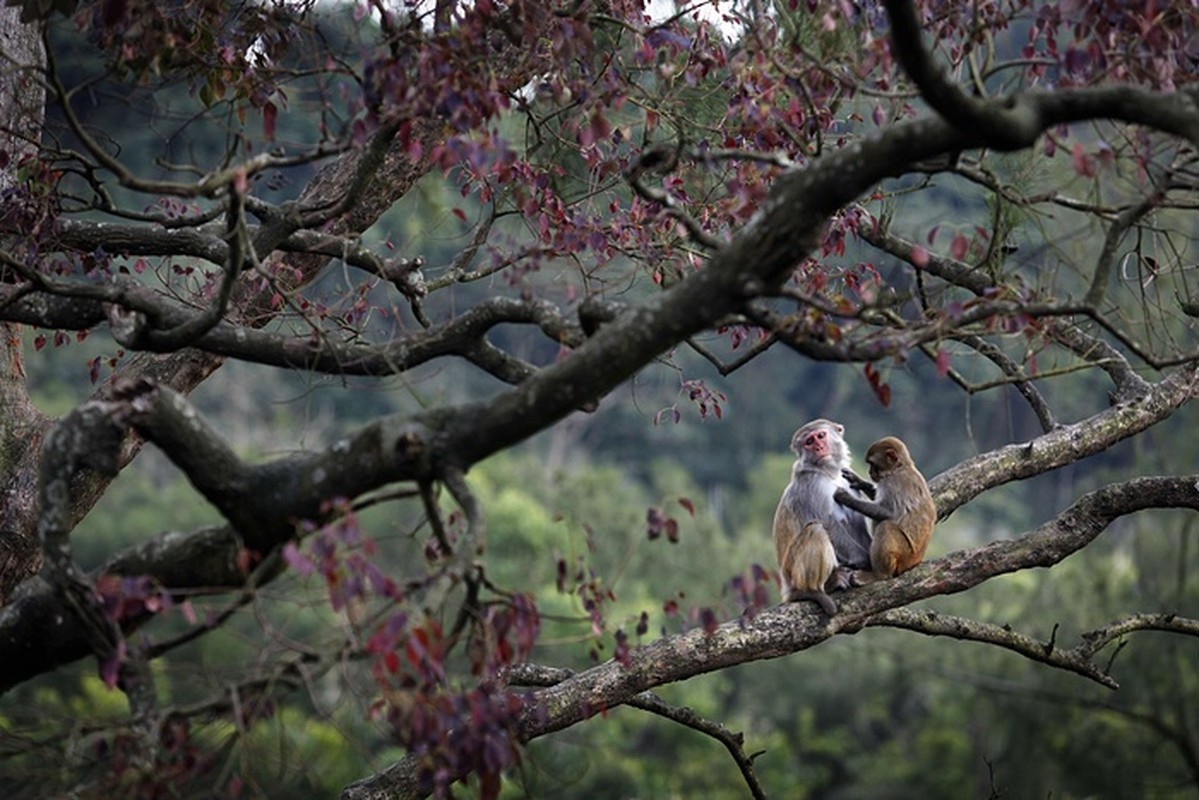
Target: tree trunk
column 22, row 110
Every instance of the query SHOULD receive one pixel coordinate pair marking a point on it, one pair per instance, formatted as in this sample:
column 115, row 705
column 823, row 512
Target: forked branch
column 535, row 675
column 1079, row 659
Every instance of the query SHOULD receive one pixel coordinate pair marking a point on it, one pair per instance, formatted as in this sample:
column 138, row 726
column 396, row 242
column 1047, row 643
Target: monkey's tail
column 820, row 598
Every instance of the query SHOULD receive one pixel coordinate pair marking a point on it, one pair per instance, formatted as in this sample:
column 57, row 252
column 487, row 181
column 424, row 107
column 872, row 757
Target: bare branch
column 1011, row 124
column 1115, row 234
column 1127, row 382
column 1077, row 660
column 534, row 675
column 210, row 185
column 1014, row 372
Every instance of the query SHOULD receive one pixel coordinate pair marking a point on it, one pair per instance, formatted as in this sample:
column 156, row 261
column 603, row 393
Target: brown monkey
column 806, row 560
column 815, row 478
column 904, row 514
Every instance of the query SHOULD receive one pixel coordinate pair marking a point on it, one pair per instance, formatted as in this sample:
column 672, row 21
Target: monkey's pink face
column 817, row 444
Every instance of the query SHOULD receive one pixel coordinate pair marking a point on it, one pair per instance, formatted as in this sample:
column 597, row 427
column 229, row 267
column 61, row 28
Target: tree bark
column 22, row 109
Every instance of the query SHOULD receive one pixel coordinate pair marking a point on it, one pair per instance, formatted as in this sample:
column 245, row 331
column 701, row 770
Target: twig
column 535, row 675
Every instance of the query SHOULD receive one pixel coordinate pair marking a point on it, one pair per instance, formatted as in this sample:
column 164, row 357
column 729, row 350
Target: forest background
column 682, row 450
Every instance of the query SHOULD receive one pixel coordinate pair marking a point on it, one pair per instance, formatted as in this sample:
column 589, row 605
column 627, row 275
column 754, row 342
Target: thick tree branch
column 1065, row 444
column 462, row 336
column 786, row 629
column 37, row 633
column 534, row 675
column 1010, row 124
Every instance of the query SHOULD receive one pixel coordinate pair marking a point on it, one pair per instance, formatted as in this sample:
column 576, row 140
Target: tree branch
column 1078, row 659
column 1115, row 234
column 1010, row 124
column 535, row 675
column 1128, row 383
column 1063, row 445
column 1014, row 372
column 788, row 628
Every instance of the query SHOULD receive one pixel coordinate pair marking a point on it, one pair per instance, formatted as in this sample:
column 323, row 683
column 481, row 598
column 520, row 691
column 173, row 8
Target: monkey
column 806, row 561
column 815, row 477
column 904, row 512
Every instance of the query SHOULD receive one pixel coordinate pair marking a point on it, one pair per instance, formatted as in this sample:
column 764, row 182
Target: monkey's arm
column 861, row 505
column 858, row 483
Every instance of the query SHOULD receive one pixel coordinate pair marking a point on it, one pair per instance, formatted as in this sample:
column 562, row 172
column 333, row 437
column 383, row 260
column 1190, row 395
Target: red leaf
column 686, row 503
column 654, row 519
column 269, row 114
column 301, row 563
column 919, row 256
column 884, row 395
column 942, row 363
column 959, row 247
column 110, row 668
column 881, row 390
column 460, row 214
column 244, row 560
column 1083, row 164
column 621, row 652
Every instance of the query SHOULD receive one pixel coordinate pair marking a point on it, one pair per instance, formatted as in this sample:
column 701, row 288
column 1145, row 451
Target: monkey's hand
column 858, row 483
column 840, row 580
column 861, row 505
